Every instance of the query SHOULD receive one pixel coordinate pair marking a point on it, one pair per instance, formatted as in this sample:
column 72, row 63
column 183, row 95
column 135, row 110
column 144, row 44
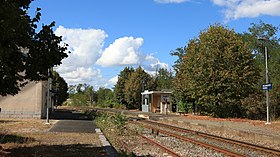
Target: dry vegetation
column 275, row 125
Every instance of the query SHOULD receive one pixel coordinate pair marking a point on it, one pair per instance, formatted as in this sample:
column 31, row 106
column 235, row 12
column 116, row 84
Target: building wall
column 156, row 103
column 28, row 103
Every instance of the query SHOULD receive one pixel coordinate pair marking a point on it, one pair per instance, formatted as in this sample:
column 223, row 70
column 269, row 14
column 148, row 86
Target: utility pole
column 49, row 82
column 266, row 92
column 266, row 79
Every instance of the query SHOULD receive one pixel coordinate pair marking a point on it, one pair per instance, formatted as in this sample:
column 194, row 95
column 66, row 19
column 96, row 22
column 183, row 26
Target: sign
column 267, row 86
column 165, row 98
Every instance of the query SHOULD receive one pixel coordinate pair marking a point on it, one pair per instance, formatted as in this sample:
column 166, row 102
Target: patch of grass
column 91, row 114
column 103, row 120
column 106, row 121
column 120, row 122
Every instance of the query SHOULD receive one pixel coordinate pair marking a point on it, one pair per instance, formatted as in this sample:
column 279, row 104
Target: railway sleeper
column 155, row 132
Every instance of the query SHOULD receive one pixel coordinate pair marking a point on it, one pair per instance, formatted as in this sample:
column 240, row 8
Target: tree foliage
column 81, row 94
column 180, row 53
column 119, row 90
column 24, row 53
column 163, row 79
column 105, row 97
column 269, row 32
column 218, row 71
column 137, row 83
column 60, row 88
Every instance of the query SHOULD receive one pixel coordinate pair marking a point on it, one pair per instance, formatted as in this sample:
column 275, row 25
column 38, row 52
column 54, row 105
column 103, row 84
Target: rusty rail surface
column 164, row 148
column 223, row 139
column 206, row 145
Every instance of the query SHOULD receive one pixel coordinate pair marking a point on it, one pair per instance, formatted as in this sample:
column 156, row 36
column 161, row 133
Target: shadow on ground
column 6, row 138
column 7, row 121
column 64, row 114
column 73, row 150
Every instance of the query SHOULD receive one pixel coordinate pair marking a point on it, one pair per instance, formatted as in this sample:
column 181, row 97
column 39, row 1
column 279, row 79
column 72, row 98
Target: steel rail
column 164, row 148
column 221, row 150
column 232, row 141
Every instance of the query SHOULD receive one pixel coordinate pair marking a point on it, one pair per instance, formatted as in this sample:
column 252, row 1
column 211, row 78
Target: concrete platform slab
column 76, row 126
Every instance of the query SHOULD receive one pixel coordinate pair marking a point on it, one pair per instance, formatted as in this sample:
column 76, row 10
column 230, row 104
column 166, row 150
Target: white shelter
column 157, row 101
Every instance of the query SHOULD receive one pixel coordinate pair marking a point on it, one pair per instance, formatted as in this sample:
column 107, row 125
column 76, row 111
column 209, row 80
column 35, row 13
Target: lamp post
column 266, row 80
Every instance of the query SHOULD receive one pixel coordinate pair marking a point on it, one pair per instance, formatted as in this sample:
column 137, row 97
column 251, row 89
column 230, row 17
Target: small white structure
column 156, row 101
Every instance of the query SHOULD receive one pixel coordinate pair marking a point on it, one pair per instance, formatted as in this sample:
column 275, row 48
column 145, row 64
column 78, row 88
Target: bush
column 107, row 122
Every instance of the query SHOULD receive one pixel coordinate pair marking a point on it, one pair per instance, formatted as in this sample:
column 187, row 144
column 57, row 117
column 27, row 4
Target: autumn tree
column 25, row 54
column 137, row 83
column 119, row 89
column 220, row 71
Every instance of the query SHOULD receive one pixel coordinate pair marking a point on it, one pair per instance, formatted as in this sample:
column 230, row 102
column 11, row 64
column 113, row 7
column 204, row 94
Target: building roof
column 157, row 92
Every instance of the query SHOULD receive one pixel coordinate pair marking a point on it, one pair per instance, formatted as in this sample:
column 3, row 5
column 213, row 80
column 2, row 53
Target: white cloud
column 170, row 1
column 151, row 64
column 235, row 9
column 87, row 51
column 86, row 47
column 113, row 80
column 124, row 51
column 81, row 75
column 154, row 63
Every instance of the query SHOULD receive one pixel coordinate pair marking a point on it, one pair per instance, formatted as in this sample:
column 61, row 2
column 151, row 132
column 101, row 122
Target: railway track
column 232, row 141
column 183, row 134
column 208, row 146
column 164, row 148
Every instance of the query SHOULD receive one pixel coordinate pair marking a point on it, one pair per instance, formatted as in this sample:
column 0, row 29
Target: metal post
column 48, row 98
column 267, row 81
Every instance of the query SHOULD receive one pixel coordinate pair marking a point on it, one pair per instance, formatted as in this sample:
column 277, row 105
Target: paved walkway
column 76, row 126
column 76, row 122
column 72, row 121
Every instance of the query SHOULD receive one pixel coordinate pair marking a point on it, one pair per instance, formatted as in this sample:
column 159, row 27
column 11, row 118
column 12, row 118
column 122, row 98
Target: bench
column 157, row 110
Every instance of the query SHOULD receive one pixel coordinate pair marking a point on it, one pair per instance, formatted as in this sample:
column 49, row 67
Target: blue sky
column 104, row 36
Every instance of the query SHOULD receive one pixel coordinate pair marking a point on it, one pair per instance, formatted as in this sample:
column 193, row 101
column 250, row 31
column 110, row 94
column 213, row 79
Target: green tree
column 163, row 79
column 24, row 53
column 220, row 71
column 60, row 88
column 137, row 83
column 81, row 94
column 105, row 97
column 268, row 31
column 180, row 53
column 119, row 89
column 182, row 83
